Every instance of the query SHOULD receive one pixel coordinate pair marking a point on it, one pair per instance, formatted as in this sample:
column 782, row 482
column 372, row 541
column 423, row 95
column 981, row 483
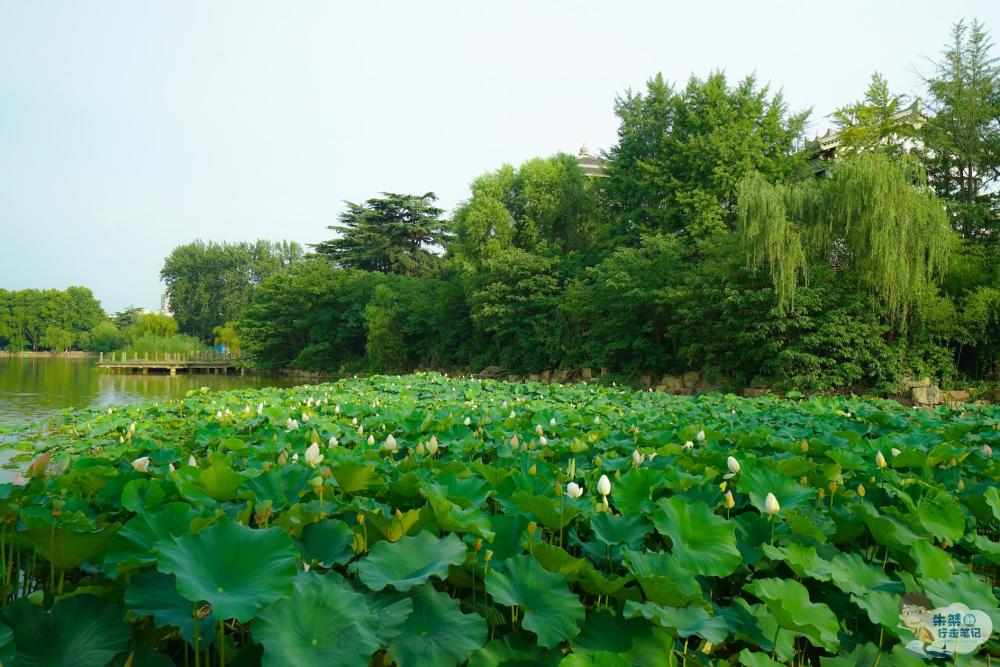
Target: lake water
column 32, row 390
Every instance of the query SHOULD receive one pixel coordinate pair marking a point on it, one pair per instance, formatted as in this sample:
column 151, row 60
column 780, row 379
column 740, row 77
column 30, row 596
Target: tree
column 875, row 217
column 962, row 138
column 547, row 206
column 384, row 343
column 57, row 340
column 227, row 335
column 391, row 234
column 210, row 283
column 875, row 123
column 106, row 337
column 681, row 154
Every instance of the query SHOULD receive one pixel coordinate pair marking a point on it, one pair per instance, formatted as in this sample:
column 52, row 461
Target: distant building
column 825, row 147
column 591, row 165
column 165, row 304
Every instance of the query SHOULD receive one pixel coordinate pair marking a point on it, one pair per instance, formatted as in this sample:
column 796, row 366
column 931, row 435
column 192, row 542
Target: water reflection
column 32, row 390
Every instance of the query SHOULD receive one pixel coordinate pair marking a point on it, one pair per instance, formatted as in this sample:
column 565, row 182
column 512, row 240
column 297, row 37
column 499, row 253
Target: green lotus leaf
column 613, row 530
column 451, row 517
column 759, row 481
column 234, row 568
column 323, row 622
column 757, row 626
column 518, row 649
column 686, row 621
column 557, row 559
column 882, row 608
column 851, row 574
column 640, row 642
column 702, row 541
column 993, row 500
column 136, row 539
column 663, row 580
column 550, row 513
column 789, row 602
column 410, row 562
column 551, row 610
column 394, row 527
column 597, row 659
column 750, row 659
column 802, row 559
column 7, row 648
column 152, row 593
column 437, row 632
column 392, row 609
column 932, row 562
column 634, row 491
column 66, row 547
column 966, row 588
column 941, row 516
column 82, row 631
column 329, row 542
column 141, row 495
column 353, row 476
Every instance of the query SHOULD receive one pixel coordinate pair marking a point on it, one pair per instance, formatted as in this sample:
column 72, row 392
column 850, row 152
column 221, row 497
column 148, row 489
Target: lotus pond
column 425, row 521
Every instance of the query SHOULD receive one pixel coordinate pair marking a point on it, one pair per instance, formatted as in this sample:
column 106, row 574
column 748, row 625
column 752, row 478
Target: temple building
column 592, row 165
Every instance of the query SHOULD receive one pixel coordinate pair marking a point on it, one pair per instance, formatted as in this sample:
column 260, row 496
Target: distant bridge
column 169, row 362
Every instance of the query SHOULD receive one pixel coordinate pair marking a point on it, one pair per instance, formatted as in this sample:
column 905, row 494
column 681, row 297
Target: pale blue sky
column 129, row 127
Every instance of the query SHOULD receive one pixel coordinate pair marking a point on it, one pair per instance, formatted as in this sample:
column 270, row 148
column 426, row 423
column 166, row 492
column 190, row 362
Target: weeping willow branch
column 877, row 215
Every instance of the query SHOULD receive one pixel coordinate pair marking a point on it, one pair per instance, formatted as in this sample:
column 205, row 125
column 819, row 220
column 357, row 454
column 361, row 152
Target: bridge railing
column 123, row 357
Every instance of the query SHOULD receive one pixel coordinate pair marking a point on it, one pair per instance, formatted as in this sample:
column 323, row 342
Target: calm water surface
column 32, row 390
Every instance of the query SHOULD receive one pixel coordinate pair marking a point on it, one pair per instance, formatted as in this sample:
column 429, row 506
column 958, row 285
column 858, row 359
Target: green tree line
column 717, row 238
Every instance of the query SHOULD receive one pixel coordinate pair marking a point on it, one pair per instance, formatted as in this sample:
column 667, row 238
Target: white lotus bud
column 131, row 427
column 604, row 485
column 552, row 422
column 700, row 437
column 371, row 439
column 514, row 442
column 260, row 409
column 295, row 456
column 539, row 430
column 512, row 415
column 332, row 442
column 171, row 467
column 354, row 421
column 637, row 458
column 880, row 460
column 305, row 417
column 218, row 415
column 688, row 445
column 733, row 465
column 192, row 462
column 895, row 452
column 141, row 464
column 432, row 445
column 543, row 441
column 771, row 505
column 504, row 405
column 336, row 409
column 597, row 419
column 246, row 409
column 574, row 490
column 361, row 430
column 390, row 443
column 313, row 455
column 467, row 421
column 987, row 451
column 110, row 410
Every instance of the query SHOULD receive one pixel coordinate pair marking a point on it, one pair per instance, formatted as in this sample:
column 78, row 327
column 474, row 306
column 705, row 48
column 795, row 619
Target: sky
column 128, row 128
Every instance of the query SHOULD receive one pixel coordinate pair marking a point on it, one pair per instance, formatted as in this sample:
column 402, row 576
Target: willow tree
column 875, row 220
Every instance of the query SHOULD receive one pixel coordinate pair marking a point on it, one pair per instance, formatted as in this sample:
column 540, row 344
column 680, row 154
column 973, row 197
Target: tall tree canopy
column 546, row 206
column 876, row 122
column 874, row 218
column 50, row 319
column 210, row 283
column 962, row 137
column 681, row 154
column 391, row 234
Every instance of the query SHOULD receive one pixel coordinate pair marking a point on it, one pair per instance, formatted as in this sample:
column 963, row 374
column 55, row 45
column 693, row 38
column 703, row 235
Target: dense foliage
column 208, row 284
column 48, row 319
column 425, row 521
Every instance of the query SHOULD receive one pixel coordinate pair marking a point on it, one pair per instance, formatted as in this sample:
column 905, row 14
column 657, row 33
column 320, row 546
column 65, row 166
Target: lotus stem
column 197, row 652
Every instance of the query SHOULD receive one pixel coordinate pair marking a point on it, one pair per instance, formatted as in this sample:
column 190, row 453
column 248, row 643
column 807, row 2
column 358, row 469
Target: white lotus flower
column 305, row 417
column 390, row 443
column 895, row 452
column 733, row 465
column 771, row 505
column 354, row 421
column 552, row 422
column 192, row 462
column 131, row 427
column 512, row 415
column 260, row 409
column 637, row 458
column 597, row 419
column 688, row 445
column 313, row 455
column 604, row 486
column 574, row 490
column 880, row 460
column 141, row 464
column 110, row 410
column 700, row 437
column 543, row 441
column 371, row 439
column 246, row 409
column 295, row 456
column 218, row 415
column 432, row 445
column 291, row 424
column 332, row 442
column 336, row 409
column 467, row 421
